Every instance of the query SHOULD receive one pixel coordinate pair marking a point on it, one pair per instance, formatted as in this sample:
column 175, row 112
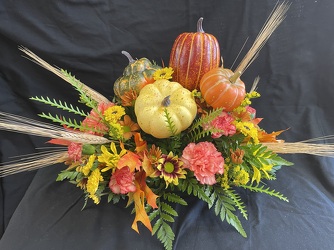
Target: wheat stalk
column 33, row 162
column 23, row 125
column 96, row 96
column 274, row 20
column 310, row 147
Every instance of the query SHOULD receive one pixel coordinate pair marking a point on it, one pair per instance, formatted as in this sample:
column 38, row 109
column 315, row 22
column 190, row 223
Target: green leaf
column 60, row 105
column 172, row 197
column 262, row 189
column 167, row 217
column 65, row 174
column 168, row 209
column 233, row 220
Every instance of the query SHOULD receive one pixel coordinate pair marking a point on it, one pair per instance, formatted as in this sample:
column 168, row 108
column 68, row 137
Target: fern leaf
column 196, row 131
column 238, row 202
column 86, row 99
column 262, row 189
column 62, row 121
column 172, row 197
column 170, row 123
column 224, row 208
column 60, row 105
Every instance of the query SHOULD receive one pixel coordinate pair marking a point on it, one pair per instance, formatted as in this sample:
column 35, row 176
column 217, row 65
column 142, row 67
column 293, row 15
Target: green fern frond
column 262, row 189
column 62, row 121
column 164, row 215
column 170, row 123
column 196, row 131
column 192, row 186
column 223, row 206
column 78, row 86
column 172, row 197
column 238, row 202
column 60, row 105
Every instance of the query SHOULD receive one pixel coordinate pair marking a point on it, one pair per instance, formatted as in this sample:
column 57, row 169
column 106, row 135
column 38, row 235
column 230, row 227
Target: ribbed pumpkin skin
column 192, row 55
column 135, row 76
column 219, row 92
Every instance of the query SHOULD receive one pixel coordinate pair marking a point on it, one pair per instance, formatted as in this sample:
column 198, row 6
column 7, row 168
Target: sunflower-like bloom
column 113, row 114
column 164, row 73
column 110, row 158
column 170, row 169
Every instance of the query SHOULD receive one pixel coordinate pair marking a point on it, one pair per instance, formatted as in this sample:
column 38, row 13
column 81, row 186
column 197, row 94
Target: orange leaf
column 147, row 166
column 131, row 160
column 138, row 198
column 150, row 196
column 265, row 137
column 141, row 145
column 141, row 215
column 59, row 142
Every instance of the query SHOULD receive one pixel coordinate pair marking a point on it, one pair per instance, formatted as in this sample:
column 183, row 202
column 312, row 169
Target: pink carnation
column 204, row 160
column 74, row 151
column 94, row 121
column 223, row 122
column 122, row 181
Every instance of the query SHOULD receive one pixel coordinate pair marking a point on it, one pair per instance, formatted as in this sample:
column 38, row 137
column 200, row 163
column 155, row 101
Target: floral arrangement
column 167, row 132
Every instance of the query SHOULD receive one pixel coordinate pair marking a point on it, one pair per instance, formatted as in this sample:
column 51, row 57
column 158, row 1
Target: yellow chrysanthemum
column 86, row 169
column 113, row 114
column 247, row 129
column 164, row 73
column 93, row 184
column 116, row 131
column 110, row 158
column 95, row 198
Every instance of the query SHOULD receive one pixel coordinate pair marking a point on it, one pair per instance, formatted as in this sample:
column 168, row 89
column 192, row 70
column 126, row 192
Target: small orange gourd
column 222, row 88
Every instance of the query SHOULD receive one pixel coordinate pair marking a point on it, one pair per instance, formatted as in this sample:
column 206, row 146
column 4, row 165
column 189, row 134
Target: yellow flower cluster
column 112, row 115
column 224, row 180
column 164, row 73
column 93, row 178
column 247, row 101
column 93, row 184
column 247, row 129
column 240, row 176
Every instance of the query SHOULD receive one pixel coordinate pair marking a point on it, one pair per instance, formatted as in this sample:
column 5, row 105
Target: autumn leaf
column 147, row 166
column 141, row 145
column 131, row 160
column 138, row 197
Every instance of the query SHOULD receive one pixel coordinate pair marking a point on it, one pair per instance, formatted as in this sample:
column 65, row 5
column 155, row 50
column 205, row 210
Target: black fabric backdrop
column 86, row 38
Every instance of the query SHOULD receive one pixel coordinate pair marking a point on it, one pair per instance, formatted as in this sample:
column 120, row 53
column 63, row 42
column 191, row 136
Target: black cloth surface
column 86, row 38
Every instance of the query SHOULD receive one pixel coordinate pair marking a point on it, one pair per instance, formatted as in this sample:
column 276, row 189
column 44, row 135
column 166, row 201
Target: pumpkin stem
column 166, row 101
column 127, row 54
column 200, row 25
column 235, row 76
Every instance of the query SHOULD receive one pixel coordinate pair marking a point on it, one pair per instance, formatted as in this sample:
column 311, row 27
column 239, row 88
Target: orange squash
column 192, row 55
column 222, row 88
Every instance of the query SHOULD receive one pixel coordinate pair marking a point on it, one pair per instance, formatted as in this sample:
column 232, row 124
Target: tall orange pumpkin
column 222, row 88
column 192, row 55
